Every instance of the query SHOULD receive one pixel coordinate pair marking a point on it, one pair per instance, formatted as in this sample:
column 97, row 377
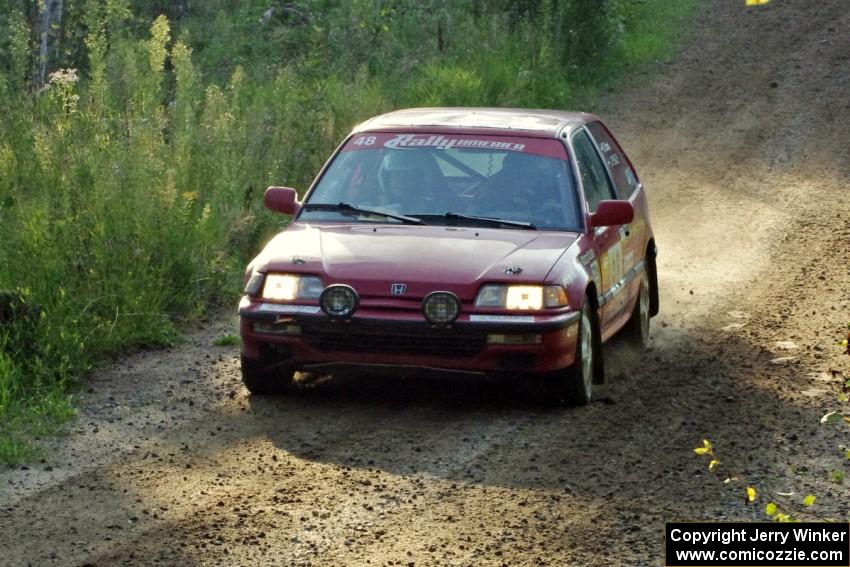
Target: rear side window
column 625, row 180
column 597, row 187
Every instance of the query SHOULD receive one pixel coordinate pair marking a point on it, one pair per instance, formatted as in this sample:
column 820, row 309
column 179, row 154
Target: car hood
column 426, row 258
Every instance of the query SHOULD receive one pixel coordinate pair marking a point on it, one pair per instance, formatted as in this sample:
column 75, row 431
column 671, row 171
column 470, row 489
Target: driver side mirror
column 612, row 213
column 282, row 199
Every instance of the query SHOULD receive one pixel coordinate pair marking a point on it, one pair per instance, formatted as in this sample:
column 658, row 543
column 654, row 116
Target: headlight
column 521, row 297
column 339, row 301
column 524, row 297
column 441, row 307
column 287, row 287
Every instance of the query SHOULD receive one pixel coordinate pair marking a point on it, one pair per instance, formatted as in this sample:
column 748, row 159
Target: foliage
column 226, row 340
column 130, row 183
column 786, row 512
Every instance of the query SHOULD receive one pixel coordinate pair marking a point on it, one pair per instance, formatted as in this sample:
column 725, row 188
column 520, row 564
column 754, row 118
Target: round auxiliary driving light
column 441, row 307
column 339, row 301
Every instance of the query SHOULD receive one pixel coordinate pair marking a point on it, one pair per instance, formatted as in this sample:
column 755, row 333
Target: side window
column 625, row 180
column 597, row 187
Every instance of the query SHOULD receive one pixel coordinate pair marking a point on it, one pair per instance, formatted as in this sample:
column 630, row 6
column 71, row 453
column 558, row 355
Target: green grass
column 15, row 450
column 31, row 414
column 656, row 28
column 226, row 340
column 130, row 187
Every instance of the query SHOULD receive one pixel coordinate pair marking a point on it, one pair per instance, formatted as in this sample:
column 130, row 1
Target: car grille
column 448, row 344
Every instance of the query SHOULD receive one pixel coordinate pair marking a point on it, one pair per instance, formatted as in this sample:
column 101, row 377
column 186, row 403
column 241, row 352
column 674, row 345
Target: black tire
column 636, row 330
column 574, row 385
column 266, row 377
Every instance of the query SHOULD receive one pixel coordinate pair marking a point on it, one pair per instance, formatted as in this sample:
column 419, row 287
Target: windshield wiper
column 487, row 220
column 346, row 208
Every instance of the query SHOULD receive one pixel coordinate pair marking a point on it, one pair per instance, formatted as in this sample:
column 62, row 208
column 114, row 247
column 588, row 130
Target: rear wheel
column 637, row 329
column 575, row 383
column 265, row 376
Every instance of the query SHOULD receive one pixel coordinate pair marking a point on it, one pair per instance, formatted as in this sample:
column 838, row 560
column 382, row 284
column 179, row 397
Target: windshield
column 525, row 181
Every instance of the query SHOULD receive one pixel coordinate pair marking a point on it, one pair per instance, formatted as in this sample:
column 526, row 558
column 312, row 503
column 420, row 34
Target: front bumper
column 386, row 337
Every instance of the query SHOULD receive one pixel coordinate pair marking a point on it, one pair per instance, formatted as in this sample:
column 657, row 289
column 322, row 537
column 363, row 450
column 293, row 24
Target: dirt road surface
column 743, row 141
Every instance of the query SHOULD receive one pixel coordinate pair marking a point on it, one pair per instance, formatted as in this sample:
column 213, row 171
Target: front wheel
column 264, row 376
column 575, row 383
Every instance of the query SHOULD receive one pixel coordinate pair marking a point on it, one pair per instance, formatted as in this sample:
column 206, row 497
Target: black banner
column 757, row 544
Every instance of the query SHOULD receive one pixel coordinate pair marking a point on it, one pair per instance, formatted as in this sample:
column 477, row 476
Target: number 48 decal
column 364, row 141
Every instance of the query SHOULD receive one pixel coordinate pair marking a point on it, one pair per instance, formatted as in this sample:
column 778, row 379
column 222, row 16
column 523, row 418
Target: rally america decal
column 501, row 318
column 402, row 141
column 443, row 143
column 278, row 308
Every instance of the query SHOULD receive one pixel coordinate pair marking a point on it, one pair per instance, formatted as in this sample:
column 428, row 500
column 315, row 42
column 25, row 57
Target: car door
column 606, row 241
column 633, row 237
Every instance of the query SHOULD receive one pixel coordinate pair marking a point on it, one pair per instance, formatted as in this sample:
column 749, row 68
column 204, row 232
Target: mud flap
column 654, row 301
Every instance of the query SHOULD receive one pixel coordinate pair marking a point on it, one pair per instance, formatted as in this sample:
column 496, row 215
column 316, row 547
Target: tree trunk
column 49, row 18
column 180, row 8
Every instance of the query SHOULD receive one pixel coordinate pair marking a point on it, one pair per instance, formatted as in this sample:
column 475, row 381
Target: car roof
column 505, row 121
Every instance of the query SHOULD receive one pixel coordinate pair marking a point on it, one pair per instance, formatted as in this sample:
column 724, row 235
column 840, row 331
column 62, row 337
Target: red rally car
column 492, row 241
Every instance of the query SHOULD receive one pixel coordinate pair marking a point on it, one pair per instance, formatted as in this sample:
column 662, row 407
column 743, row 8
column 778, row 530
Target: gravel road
column 743, row 141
